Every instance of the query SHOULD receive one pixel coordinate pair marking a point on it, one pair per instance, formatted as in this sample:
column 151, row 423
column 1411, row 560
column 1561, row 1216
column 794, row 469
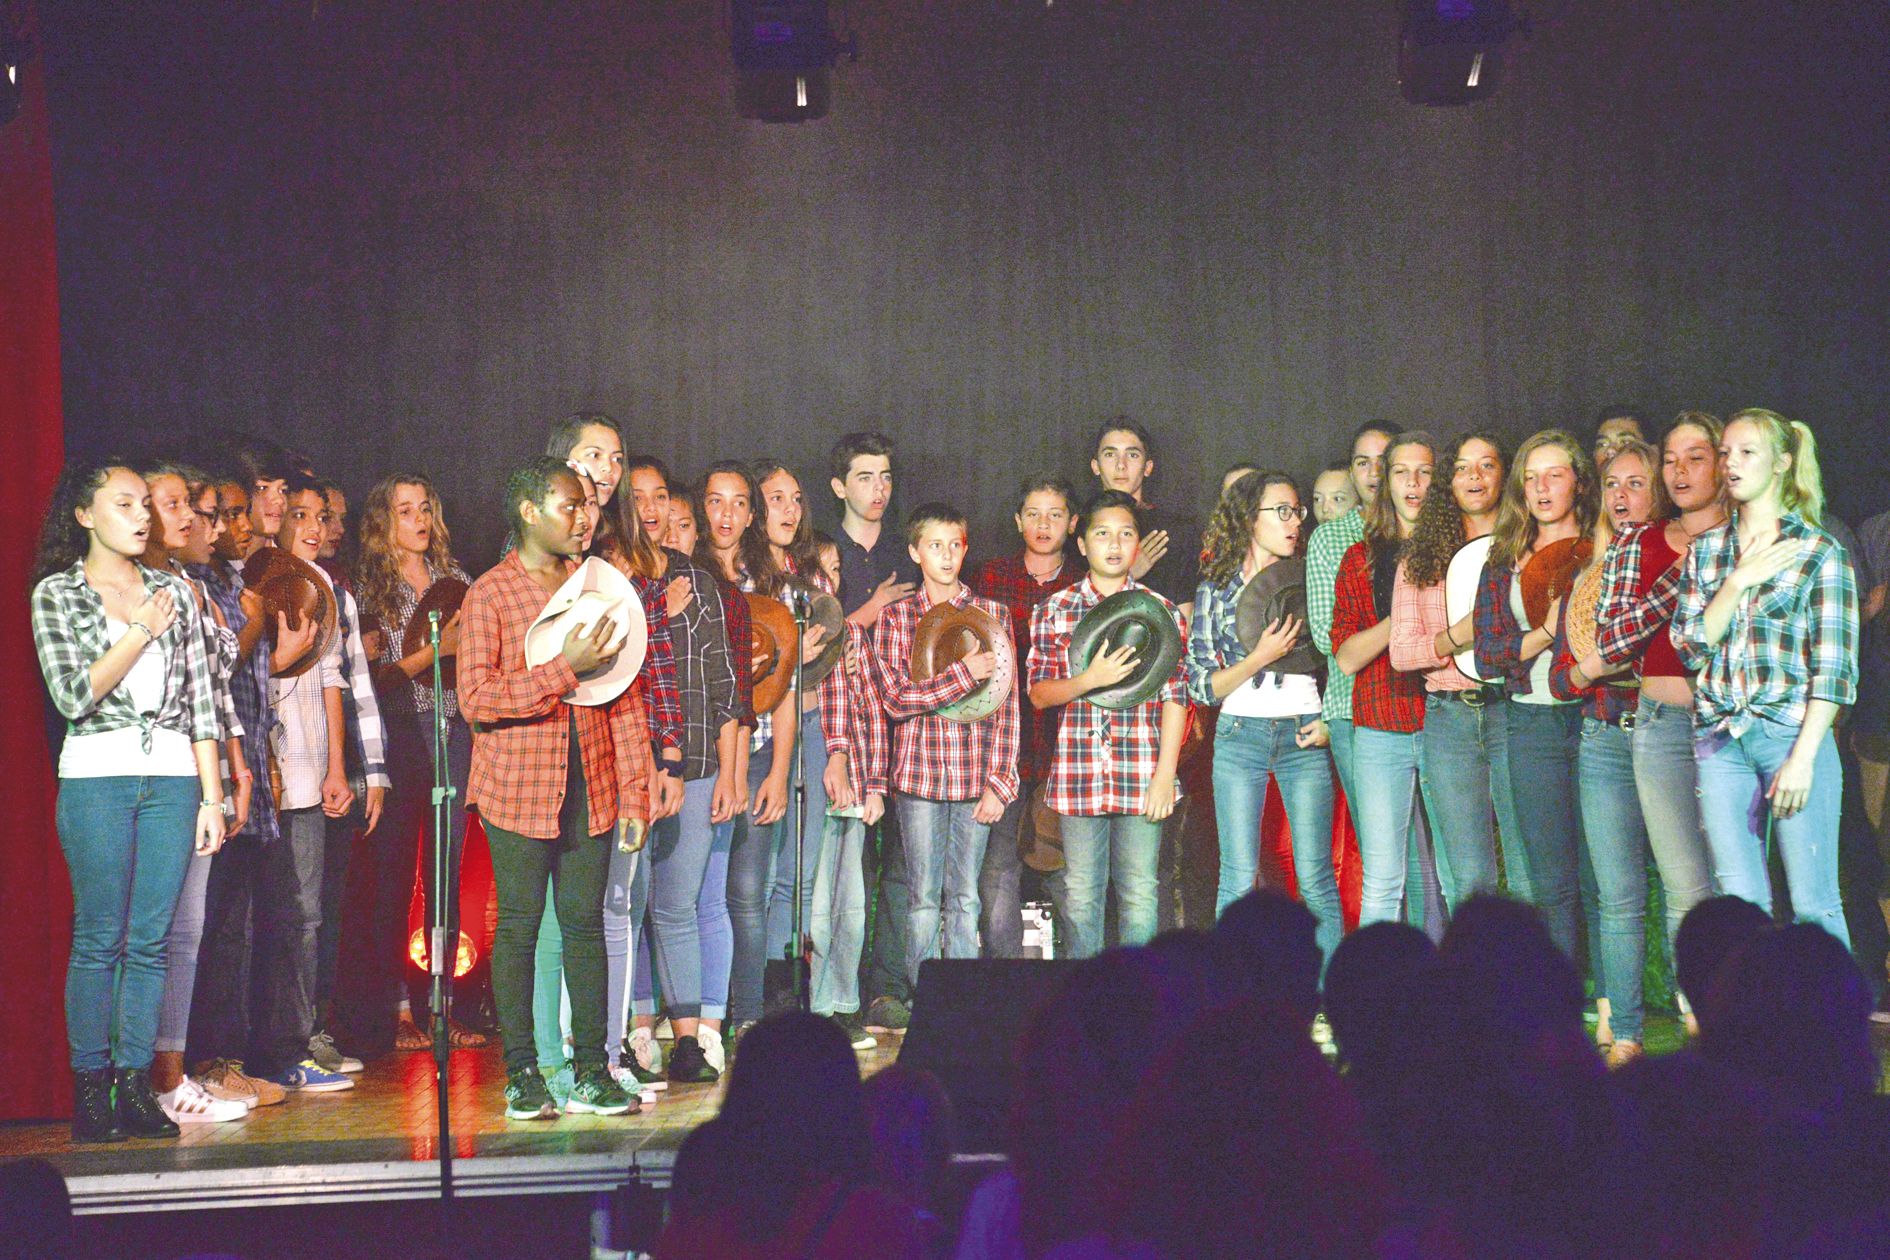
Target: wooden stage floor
column 378, row 1141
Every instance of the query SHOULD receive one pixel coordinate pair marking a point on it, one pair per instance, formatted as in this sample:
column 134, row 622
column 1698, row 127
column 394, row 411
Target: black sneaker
column 688, row 1065
column 887, row 1015
column 857, row 1036
column 526, row 1097
column 597, row 1093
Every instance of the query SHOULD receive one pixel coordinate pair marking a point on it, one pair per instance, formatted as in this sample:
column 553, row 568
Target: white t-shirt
column 1539, row 692
column 1269, row 695
column 121, row 752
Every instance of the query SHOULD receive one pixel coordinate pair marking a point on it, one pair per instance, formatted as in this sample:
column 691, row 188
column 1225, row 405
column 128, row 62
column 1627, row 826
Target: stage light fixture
column 462, row 963
column 15, row 51
column 1451, row 52
column 783, row 50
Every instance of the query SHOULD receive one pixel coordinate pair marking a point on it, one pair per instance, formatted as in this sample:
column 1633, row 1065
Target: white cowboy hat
column 593, row 591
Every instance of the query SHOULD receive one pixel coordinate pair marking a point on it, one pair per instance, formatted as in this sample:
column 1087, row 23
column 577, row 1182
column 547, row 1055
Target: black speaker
column 966, row 1020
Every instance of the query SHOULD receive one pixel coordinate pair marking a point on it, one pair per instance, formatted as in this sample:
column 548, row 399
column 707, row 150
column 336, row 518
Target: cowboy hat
column 444, row 597
column 595, row 590
column 1136, row 618
column 824, row 610
column 1550, row 574
column 772, row 636
column 948, row 633
column 289, row 585
column 1461, row 581
column 1277, row 591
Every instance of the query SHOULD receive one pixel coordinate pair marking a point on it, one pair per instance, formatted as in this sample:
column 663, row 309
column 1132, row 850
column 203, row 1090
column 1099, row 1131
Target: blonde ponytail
column 1803, row 491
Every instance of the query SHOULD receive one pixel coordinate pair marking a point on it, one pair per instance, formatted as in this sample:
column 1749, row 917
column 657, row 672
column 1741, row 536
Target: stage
column 378, row 1143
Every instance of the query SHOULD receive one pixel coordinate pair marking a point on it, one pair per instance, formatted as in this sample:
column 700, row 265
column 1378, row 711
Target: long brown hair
column 1516, row 528
column 801, row 552
column 628, row 546
column 1229, row 533
column 1440, row 531
column 1381, row 514
column 377, row 579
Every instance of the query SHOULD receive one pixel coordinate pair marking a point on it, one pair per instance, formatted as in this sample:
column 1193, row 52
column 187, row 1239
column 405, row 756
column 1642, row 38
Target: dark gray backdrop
column 403, row 234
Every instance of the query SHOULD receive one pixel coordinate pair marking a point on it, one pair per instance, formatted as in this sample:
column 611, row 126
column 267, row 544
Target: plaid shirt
column 1213, row 642
column 1105, row 757
column 522, row 726
column 932, row 756
column 1418, row 615
column 656, row 681
column 1006, row 581
column 851, row 716
column 414, row 695
column 1383, row 698
column 1634, row 608
column 1792, row 639
column 366, row 732
column 249, row 694
column 69, row 634
column 1608, row 701
column 1499, row 635
column 705, row 666
column 1324, row 551
column 739, row 624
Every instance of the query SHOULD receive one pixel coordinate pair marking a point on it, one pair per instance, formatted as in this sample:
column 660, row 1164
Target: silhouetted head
column 1269, row 950
column 35, row 1211
column 910, row 1119
column 1369, row 973
column 1713, row 931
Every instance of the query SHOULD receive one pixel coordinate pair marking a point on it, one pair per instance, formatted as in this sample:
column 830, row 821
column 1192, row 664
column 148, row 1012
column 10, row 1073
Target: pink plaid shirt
column 1105, row 757
column 932, row 756
column 851, row 717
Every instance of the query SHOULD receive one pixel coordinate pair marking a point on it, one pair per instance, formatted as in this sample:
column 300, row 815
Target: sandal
column 460, row 1037
column 409, row 1036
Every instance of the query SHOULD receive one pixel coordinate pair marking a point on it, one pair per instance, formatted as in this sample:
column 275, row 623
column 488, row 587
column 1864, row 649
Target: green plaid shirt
column 1329, row 544
column 70, row 635
column 1792, row 639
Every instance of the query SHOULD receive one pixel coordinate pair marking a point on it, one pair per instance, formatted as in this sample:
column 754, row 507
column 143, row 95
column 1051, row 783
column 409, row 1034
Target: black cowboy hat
column 1277, row 591
column 1140, row 620
column 824, row 610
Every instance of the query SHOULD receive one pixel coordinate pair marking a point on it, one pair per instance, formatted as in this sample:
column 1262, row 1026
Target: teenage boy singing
column 952, row 779
column 1112, row 781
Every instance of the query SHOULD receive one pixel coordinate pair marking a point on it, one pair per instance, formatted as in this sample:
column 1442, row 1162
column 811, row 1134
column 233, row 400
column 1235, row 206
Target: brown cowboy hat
column 1040, row 845
column 1550, row 574
column 1277, row 591
column 298, row 589
column 444, row 597
column 1139, row 619
column 824, row 610
column 771, row 634
column 948, row 633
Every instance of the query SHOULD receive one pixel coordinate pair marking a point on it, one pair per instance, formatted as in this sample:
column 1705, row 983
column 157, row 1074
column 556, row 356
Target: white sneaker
column 189, row 1104
column 649, row 1060
column 710, row 1039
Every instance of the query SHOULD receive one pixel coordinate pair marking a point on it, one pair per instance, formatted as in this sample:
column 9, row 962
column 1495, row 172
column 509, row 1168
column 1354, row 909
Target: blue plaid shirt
column 1792, row 639
column 249, row 691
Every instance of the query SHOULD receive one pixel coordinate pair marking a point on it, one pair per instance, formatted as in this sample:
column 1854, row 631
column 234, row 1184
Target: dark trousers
column 1000, row 882
column 219, row 1006
column 577, row 864
column 288, row 916
column 1860, row 875
column 883, row 969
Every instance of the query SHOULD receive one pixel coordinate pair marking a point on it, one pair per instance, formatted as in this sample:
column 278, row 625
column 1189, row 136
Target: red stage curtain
column 36, row 918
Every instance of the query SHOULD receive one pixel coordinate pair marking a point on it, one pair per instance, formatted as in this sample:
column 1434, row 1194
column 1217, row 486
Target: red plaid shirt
column 1640, row 591
column 932, row 756
column 1383, row 698
column 1006, row 581
column 1104, row 757
column 851, row 716
column 741, row 645
column 522, row 726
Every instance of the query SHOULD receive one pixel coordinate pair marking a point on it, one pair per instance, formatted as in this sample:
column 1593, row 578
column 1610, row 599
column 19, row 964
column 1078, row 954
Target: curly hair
column 1439, row 531
column 377, row 577
column 63, row 542
column 1516, row 528
column 1229, row 533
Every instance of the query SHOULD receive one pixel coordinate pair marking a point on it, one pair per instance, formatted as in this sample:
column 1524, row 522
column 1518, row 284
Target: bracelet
column 147, row 631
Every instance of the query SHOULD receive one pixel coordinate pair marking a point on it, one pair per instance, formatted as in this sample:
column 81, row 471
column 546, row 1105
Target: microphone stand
column 797, row 956
column 437, row 918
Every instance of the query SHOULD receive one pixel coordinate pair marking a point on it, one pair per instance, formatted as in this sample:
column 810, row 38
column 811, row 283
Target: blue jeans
column 1342, row 760
column 838, row 922
column 1544, row 744
column 128, row 842
column 670, row 887
column 1666, row 779
column 1124, row 848
column 180, row 955
column 750, row 877
column 1246, row 752
column 1458, row 751
column 944, row 849
column 1385, row 807
column 1616, row 840
column 781, row 897
column 1734, row 777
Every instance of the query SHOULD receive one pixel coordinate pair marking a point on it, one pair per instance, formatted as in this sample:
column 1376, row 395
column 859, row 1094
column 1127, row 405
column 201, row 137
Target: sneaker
column 644, row 1058
column 224, row 1081
column 887, row 1015
column 268, row 1093
column 190, row 1103
column 850, row 1024
column 714, row 1049
column 689, row 1064
column 321, row 1048
column 664, row 1031
column 526, row 1097
column 596, row 1093
column 310, row 1077
column 558, row 1082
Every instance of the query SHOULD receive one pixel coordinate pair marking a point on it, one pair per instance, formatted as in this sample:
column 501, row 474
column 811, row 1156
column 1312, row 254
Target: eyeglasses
column 1287, row 512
